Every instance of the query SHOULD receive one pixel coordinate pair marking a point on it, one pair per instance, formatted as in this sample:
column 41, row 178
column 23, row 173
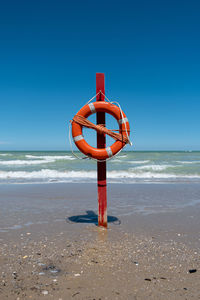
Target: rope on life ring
column 100, row 128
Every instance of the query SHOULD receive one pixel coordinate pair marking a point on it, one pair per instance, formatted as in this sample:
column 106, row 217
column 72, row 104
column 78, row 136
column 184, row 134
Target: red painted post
column 101, row 166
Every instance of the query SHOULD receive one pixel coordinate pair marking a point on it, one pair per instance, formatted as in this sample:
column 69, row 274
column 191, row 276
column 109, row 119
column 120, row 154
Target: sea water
column 127, row 167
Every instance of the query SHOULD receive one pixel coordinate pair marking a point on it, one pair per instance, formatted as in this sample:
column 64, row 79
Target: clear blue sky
column 148, row 50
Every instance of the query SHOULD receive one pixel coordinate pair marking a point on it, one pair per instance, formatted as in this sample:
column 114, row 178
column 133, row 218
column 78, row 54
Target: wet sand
column 51, row 248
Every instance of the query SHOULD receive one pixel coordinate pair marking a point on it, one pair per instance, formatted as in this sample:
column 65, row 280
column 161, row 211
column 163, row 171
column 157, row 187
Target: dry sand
column 145, row 254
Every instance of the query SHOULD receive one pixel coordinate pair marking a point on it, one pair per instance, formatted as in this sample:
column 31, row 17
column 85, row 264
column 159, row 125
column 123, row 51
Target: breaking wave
column 54, row 157
column 47, row 175
column 138, row 161
column 154, row 167
column 188, row 162
column 35, row 160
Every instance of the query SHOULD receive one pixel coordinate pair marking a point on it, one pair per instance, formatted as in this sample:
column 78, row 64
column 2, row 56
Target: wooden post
column 101, row 166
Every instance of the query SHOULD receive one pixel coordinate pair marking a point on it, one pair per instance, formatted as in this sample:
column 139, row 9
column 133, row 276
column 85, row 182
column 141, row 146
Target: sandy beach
column 51, row 247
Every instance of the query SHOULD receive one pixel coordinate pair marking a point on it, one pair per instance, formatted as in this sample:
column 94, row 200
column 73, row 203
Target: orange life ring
column 86, row 111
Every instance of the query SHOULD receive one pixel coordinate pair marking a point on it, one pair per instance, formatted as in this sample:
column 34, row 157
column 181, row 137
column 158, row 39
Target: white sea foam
column 115, row 174
column 34, row 161
column 50, row 157
column 116, row 160
column 54, row 174
column 138, row 161
column 25, row 162
column 188, row 162
column 5, row 154
column 47, row 173
column 55, row 157
column 153, row 167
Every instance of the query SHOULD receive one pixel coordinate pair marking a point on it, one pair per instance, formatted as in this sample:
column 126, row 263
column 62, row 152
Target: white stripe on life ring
column 124, row 120
column 92, row 108
column 78, row 138
column 109, row 151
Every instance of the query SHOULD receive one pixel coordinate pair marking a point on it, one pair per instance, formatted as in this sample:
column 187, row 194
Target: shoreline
column 172, row 207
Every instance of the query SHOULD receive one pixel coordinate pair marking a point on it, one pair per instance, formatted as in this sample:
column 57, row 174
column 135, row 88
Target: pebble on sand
column 45, row 292
column 192, row 270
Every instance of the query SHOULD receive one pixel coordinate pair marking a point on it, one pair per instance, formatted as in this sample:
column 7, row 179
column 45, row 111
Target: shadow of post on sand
column 91, row 217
